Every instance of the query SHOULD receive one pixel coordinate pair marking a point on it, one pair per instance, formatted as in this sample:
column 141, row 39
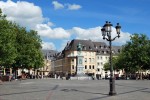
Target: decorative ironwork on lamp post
column 106, row 33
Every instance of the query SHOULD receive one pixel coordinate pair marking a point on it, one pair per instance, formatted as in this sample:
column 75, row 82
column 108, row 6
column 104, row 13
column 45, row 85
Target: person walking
column 1, row 82
column 10, row 78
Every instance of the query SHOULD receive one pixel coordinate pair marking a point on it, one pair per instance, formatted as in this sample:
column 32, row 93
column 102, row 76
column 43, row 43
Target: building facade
column 95, row 55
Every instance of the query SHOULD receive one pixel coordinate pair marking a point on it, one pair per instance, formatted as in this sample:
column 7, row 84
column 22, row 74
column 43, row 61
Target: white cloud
column 48, row 45
column 29, row 15
column 95, row 34
column 91, row 33
column 63, row 44
column 50, row 24
column 57, row 33
column 57, row 5
column 73, row 7
column 124, row 37
column 22, row 12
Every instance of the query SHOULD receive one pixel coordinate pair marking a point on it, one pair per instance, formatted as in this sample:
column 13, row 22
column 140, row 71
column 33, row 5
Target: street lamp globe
column 103, row 32
column 107, row 26
column 118, row 27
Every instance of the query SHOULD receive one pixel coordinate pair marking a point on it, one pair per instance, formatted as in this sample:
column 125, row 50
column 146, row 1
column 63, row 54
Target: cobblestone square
column 51, row 89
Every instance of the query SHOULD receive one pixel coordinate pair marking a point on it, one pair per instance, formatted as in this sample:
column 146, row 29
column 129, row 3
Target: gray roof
column 49, row 54
column 116, row 49
column 88, row 45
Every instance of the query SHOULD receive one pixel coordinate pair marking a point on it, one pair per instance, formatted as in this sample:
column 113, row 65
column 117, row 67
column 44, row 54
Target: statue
column 79, row 48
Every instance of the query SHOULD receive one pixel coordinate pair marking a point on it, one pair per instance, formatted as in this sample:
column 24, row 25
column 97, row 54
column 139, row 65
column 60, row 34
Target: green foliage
column 135, row 54
column 19, row 47
column 7, row 42
column 114, row 64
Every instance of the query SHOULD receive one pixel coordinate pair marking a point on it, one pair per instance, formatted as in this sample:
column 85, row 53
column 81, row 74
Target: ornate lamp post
column 106, row 33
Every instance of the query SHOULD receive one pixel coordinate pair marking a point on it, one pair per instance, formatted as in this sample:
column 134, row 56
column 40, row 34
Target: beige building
column 66, row 61
column 95, row 55
column 102, row 57
column 47, row 68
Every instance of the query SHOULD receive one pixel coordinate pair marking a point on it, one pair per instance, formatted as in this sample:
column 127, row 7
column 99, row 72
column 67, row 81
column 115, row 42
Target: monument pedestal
column 80, row 66
column 81, row 77
column 80, row 74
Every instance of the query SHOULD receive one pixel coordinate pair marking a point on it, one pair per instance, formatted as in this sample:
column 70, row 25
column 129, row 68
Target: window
column 107, row 51
column 93, row 66
column 90, row 67
column 98, row 69
column 118, row 50
column 72, row 60
column 98, row 64
column 85, row 66
column 93, row 60
column 113, row 51
column 90, row 59
column 72, row 66
column 92, row 53
column 80, row 61
column 85, row 53
column 104, row 46
column 85, row 60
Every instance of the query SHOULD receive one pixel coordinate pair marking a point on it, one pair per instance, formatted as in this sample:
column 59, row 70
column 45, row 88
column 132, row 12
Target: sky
column 60, row 21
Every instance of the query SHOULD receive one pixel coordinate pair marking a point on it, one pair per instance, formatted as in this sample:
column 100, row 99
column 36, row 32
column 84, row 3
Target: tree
column 28, row 45
column 134, row 55
column 18, row 47
column 114, row 64
column 7, row 41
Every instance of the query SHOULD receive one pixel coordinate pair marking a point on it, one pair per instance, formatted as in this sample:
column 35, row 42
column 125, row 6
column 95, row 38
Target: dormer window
column 104, row 46
column 101, row 47
column 84, row 48
column 90, row 48
column 113, row 51
column 95, row 46
column 97, row 51
column 118, row 50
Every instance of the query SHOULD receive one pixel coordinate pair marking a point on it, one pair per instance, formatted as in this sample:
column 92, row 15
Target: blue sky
column 60, row 21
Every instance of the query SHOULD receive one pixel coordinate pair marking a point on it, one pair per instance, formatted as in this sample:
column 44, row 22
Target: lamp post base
column 112, row 87
column 111, row 93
